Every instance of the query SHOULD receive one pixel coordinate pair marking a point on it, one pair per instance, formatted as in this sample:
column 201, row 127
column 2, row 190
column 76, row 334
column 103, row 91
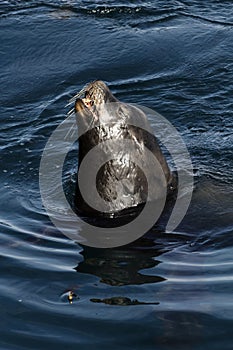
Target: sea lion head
column 97, row 92
column 92, row 102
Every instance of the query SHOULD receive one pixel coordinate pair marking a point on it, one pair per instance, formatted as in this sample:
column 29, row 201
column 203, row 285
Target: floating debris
column 70, row 296
column 122, row 301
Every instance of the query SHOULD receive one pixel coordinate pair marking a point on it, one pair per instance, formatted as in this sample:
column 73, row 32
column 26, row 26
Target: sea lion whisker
column 71, row 131
column 74, row 98
column 90, row 126
column 78, row 95
column 72, row 111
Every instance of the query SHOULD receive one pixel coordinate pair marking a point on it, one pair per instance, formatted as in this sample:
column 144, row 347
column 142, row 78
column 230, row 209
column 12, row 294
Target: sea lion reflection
column 122, row 266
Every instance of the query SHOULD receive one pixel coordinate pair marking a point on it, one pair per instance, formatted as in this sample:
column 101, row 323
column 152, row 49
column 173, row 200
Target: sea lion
column 106, row 122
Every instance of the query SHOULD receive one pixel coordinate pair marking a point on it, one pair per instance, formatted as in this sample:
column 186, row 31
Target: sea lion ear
column 123, row 112
column 131, row 114
column 128, row 112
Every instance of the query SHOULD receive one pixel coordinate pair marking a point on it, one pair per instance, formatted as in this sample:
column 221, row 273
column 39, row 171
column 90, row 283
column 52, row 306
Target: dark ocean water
column 175, row 57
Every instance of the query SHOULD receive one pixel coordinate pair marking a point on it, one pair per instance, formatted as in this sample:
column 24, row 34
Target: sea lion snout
column 79, row 105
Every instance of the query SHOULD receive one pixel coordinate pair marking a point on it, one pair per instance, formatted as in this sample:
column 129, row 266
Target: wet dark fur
column 119, row 128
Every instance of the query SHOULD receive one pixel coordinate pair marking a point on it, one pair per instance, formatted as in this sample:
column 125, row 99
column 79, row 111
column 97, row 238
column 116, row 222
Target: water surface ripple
column 168, row 290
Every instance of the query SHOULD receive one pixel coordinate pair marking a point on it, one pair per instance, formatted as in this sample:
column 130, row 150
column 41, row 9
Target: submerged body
column 119, row 137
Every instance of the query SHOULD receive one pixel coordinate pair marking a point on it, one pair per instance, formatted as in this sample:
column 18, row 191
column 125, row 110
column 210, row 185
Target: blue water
column 176, row 58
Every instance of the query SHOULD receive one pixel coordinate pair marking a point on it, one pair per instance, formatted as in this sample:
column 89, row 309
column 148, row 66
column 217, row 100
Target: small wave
column 206, row 19
column 216, row 239
column 129, row 11
column 138, row 15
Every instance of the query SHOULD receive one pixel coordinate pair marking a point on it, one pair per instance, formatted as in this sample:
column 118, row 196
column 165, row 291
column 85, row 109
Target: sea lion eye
column 88, row 102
